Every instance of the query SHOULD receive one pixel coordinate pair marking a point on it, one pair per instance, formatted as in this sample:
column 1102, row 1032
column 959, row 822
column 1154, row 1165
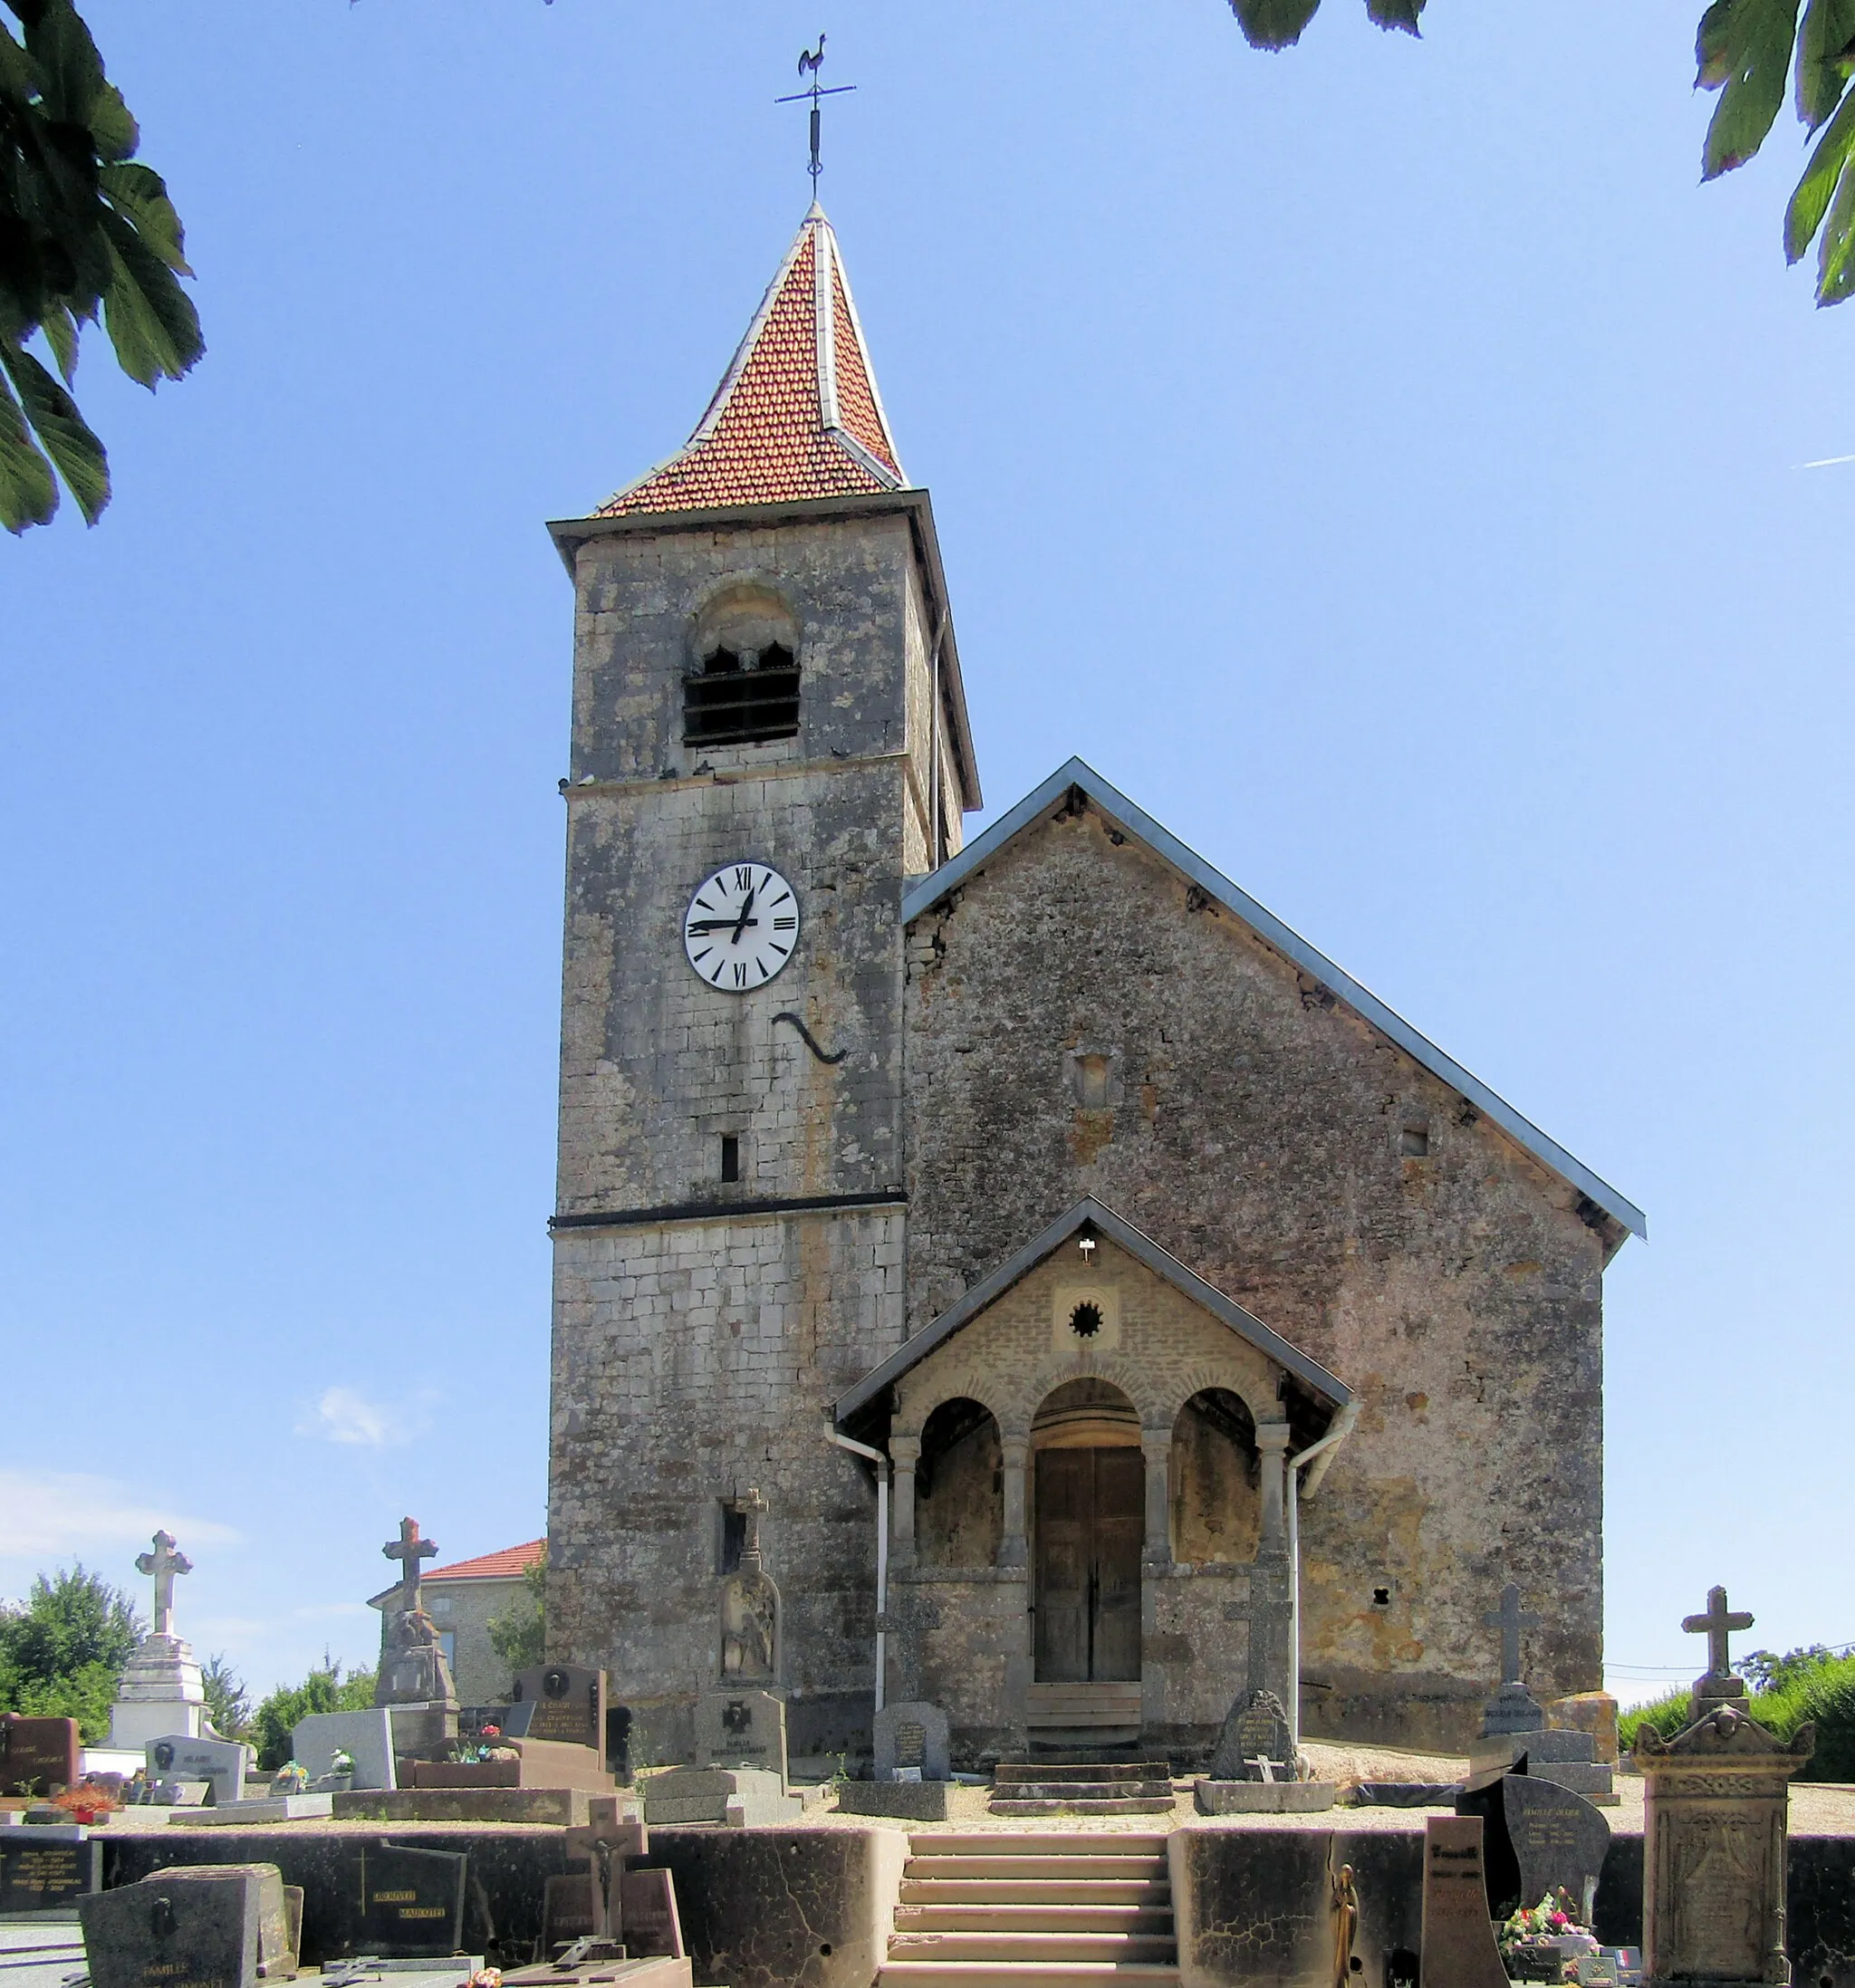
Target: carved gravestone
column 564, row 1702
column 912, row 1735
column 365, row 1736
column 1538, row 1838
column 47, row 1867
column 1714, row 1849
column 401, row 1903
column 1458, row 1936
column 567, row 1911
column 742, row 1729
column 648, row 1915
column 1256, row 1728
column 220, row 1762
column 224, row 1924
column 37, row 1755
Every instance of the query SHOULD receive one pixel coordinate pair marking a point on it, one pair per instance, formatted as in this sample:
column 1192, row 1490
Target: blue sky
column 1382, row 461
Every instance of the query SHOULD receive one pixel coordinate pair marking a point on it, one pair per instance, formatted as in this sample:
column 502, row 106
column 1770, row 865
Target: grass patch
column 1822, row 1693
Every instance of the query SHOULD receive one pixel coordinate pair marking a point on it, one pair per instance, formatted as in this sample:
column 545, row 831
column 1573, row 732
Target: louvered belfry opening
column 745, row 688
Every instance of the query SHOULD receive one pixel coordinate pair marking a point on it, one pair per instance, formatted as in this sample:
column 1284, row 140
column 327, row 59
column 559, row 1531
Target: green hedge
column 1822, row 1692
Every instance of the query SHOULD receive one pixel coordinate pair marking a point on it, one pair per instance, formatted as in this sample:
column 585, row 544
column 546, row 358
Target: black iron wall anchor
column 811, row 1040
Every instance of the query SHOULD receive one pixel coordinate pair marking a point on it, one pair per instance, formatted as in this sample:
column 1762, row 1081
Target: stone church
column 1041, row 1231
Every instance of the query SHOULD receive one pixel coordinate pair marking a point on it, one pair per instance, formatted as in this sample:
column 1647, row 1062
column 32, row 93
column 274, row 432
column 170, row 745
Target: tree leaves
column 83, row 231
column 1401, row 13
column 1817, row 187
column 1743, row 50
column 1825, row 54
column 1274, row 24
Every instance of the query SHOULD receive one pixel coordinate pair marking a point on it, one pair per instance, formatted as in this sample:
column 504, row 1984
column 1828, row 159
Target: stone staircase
column 1037, row 1787
column 1023, row 1909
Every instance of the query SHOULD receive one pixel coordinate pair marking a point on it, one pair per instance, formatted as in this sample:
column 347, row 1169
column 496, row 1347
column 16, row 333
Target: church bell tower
column 769, row 734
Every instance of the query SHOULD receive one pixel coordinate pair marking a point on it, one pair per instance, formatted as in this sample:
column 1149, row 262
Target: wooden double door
column 1086, row 1592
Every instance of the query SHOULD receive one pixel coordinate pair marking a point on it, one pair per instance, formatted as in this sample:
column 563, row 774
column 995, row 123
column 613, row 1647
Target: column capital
column 905, row 1449
column 1272, row 1437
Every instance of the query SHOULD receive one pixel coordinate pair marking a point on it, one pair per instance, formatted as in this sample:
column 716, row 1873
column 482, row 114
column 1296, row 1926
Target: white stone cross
column 1714, row 1625
column 1510, row 1619
column 750, row 1508
column 409, row 1548
column 163, row 1563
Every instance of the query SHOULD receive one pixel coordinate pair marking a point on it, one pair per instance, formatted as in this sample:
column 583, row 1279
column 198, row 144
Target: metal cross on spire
column 811, row 61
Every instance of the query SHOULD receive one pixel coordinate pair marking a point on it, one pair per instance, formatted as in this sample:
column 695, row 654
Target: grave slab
column 703, row 1794
column 745, row 1729
column 272, row 1809
column 175, row 1756
column 37, row 1755
column 913, row 1733
column 202, row 1925
column 904, row 1801
column 564, row 1702
column 366, row 1737
column 1264, row 1797
column 40, row 1876
column 1254, row 1728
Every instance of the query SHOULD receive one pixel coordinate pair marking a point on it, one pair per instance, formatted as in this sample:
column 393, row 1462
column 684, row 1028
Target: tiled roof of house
column 797, row 414
column 510, row 1564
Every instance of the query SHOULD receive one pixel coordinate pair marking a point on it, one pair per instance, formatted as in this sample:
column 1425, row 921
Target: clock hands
column 721, row 925
column 747, row 917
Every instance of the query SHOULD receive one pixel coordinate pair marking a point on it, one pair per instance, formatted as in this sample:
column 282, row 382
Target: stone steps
column 1084, row 1803
column 1032, row 1909
column 969, row 1916
column 1037, row 1891
column 1059, row 1787
column 1047, row 1770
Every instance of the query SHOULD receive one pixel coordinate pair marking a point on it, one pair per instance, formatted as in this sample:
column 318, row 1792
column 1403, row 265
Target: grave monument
column 160, row 1692
column 1256, row 1767
column 1514, row 1732
column 414, row 1679
column 1716, row 1830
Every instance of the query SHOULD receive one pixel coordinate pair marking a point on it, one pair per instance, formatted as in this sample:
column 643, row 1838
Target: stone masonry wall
column 1267, row 1137
column 695, row 1354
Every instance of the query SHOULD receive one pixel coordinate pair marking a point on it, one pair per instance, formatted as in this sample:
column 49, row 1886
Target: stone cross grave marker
column 1458, row 1936
column 408, row 1550
column 37, row 1754
column 1719, row 1685
column 164, row 1562
column 1513, row 1708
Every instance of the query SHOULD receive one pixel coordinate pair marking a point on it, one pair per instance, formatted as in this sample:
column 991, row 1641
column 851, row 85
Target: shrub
column 1812, row 1688
column 63, row 1647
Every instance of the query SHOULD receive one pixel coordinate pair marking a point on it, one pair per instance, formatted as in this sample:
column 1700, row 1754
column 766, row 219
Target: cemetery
column 513, row 1840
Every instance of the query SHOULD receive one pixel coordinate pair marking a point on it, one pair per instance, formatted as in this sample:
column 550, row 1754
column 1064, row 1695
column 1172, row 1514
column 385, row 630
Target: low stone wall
column 801, row 1907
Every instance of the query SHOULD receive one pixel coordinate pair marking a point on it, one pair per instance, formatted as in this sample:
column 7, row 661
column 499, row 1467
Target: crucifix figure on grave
column 1510, row 1619
column 163, row 1563
column 1716, row 1625
column 409, row 1548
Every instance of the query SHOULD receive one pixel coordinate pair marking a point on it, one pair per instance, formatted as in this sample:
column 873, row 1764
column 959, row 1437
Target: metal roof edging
column 926, row 891
column 1160, row 1260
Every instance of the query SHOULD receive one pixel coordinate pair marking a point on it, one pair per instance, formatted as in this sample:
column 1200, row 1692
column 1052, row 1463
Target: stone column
column 1014, row 1549
column 1272, row 1607
column 1155, row 1448
column 1272, row 1446
column 904, row 1453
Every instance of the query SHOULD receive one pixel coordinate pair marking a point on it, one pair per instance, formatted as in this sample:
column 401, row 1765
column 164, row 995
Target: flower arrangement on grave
column 1537, row 1941
column 290, row 1778
column 86, row 1802
column 341, row 1762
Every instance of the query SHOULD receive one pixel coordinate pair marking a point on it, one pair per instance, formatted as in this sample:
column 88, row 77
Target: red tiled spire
column 797, row 414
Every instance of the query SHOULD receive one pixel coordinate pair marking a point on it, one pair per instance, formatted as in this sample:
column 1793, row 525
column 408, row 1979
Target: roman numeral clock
column 741, row 927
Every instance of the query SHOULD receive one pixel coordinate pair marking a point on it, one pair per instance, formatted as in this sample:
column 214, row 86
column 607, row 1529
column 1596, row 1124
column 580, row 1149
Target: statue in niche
column 749, row 1608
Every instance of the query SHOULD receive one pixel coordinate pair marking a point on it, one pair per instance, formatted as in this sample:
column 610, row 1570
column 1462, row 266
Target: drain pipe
column 883, row 1467
column 1338, row 1430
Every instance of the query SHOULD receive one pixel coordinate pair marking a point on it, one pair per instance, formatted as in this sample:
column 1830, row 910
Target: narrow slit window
column 730, row 1156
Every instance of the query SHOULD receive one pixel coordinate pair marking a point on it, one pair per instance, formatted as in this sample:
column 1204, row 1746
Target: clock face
column 741, row 927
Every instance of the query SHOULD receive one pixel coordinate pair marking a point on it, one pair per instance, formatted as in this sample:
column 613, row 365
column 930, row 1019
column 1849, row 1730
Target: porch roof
column 1089, row 1213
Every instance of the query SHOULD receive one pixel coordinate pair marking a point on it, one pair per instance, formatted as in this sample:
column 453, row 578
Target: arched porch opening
column 1217, row 1480
column 1087, row 1500
column 959, row 1487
